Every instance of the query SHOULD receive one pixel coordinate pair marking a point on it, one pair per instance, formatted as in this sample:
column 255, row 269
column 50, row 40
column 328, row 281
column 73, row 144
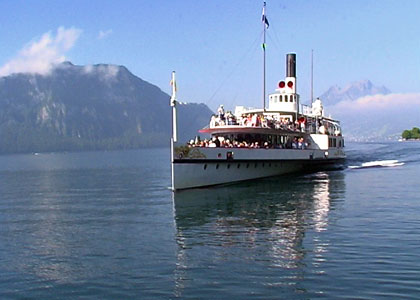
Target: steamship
column 249, row 143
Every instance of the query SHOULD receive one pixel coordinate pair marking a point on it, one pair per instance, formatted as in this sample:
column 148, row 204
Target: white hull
column 246, row 164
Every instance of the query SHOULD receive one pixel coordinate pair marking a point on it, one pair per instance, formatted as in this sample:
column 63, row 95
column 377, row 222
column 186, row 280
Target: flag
column 173, row 83
column 264, row 18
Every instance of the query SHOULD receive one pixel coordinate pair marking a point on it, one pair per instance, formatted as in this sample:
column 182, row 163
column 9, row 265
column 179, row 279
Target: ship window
column 281, row 98
column 229, row 155
column 263, row 165
column 269, row 165
column 285, row 98
column 239, row 165
column 217, row 166
column 247, row 165
column 228, row 166
column 255, row 165
column 205, row 166
column 275, row 99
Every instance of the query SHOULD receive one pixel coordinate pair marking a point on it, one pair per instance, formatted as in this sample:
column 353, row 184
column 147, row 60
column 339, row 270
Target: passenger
column 249, row 121
column 295, row 143
column 216, row 141
column 221, row 112
column 213, row 121
column 254, row 120
column 300, row 143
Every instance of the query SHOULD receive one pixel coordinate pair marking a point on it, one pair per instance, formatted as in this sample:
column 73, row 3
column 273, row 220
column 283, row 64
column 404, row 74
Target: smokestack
column 291, row 65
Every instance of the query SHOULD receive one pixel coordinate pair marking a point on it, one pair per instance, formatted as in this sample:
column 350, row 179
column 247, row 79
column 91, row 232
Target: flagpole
column 174, row 138
column 264, row 27
column 173, row 104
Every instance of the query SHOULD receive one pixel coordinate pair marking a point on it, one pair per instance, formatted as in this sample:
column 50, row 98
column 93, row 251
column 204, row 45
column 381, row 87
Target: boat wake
column 378, row 164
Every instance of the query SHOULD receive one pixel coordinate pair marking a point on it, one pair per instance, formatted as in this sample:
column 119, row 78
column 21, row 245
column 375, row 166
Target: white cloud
column 104, row 34
column 40, row 56
column 378, row 102
column 107, row 72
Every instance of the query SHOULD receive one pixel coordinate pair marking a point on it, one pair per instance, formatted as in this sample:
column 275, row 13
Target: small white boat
column 246, row 144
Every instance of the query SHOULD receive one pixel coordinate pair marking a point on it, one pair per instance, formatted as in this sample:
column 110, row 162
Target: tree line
column 411, row 134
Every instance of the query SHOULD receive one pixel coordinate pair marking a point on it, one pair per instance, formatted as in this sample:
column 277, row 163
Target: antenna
column 312, row 76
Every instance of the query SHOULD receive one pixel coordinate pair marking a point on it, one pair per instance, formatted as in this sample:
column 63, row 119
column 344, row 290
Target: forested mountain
column 86, row 108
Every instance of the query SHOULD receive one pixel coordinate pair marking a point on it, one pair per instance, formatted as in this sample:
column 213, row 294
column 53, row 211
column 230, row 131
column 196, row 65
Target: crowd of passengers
column 257, row 120
column 296, row 143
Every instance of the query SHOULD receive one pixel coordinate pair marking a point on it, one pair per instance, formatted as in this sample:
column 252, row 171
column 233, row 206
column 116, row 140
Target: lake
column 104, row 225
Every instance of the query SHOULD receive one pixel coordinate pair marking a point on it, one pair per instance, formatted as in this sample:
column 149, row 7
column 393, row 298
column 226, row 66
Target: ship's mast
column 265, row 26
column 173, row 104
column 312, row 76
column 174, row 127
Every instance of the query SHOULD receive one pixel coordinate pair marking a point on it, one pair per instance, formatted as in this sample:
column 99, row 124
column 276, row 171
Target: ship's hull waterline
column 202, row 172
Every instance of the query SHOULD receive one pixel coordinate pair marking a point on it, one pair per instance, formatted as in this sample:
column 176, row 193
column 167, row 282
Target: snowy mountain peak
column 352, row 92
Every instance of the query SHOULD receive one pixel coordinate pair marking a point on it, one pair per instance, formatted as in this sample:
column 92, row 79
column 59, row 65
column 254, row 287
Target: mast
column 173, row 104
column 174, row 128
column 265, row 26
column 312, row 76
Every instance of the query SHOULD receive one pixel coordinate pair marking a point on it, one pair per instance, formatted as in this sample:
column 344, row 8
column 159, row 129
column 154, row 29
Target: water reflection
column 265, row 223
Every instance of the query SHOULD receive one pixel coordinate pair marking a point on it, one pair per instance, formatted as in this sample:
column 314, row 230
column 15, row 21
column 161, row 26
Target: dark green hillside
column 87, row 108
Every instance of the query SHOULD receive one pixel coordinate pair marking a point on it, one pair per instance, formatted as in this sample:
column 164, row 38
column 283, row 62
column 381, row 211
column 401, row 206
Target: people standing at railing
column 221, row 112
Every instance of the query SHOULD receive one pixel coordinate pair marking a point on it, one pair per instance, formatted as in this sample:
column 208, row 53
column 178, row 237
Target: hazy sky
column 215, row 46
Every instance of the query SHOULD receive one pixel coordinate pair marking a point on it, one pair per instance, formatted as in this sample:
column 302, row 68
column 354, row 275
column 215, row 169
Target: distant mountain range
column 353, row 91
column 371, row 113
column 89, row 107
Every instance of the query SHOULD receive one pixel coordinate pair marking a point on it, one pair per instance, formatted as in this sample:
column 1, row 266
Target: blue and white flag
column 264, row 18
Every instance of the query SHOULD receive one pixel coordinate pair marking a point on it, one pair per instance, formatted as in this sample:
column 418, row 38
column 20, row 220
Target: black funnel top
column 291, row 65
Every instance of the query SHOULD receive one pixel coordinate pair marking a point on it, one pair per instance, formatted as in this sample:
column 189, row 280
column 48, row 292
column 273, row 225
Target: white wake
column 378, row 164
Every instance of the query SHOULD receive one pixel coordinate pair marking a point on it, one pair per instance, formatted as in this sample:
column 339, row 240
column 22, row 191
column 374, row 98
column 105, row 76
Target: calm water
column 104, row 225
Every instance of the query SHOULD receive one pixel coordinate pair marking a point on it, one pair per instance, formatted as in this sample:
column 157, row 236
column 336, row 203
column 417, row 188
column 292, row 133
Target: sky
column 215, row 46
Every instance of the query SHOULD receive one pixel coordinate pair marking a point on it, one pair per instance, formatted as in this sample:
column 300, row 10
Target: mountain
column 371, row 113
column 353, row 91
column 89, row 107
